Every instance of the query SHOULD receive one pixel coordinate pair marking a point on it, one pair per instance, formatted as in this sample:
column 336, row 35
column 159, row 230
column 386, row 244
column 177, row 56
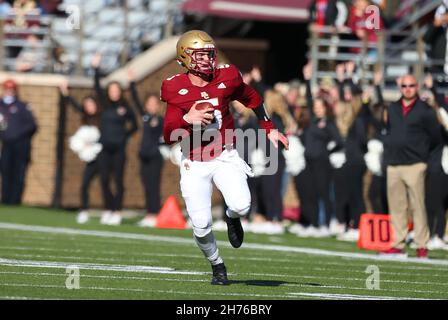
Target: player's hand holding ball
column 201, row 113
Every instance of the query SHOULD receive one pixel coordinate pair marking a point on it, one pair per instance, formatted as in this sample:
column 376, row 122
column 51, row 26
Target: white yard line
column 334, row 296
column 188, row 293
column 90, row 266
column 254, row 246
column 292, row 260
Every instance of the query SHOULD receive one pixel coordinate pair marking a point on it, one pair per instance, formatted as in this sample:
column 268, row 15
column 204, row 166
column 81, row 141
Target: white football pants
column 229, row 173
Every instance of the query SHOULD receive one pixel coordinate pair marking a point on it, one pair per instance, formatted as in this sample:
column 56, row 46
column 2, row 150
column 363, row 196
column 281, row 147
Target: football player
column 197, row 104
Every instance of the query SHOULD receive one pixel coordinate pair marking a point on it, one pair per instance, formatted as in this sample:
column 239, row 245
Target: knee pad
column 201, row 226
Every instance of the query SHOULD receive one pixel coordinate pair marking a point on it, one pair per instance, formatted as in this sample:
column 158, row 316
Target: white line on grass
column 334, row 296
column 187, row 293
column 256, row 246
column 90, row 266
column 292, row 260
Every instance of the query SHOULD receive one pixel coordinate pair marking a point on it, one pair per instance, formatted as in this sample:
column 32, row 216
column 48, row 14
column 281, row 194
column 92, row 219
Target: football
column 204, row 105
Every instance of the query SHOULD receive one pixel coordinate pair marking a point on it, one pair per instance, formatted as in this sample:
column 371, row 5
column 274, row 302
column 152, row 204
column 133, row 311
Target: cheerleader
column 84, row 143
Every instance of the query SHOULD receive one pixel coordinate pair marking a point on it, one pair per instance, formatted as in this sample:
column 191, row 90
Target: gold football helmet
column 196, row 51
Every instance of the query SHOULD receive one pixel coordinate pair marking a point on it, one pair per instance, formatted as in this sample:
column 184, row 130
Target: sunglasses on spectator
column 408, row 85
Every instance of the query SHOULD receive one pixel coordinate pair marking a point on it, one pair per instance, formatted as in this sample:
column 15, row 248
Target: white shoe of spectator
column 147, row 222
column 436, row 244
column 323, row 232
column 445, row 238
column 105, row 217
column 82, row 217
column 296, row 229
column 220, row 225
column 115, row 219
column 336, row 228
column 267, row 228
column 351, row 235
column 310, row 232
column 275, row 228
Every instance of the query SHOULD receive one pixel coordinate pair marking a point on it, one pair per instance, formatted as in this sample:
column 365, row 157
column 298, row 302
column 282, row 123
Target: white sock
column 208, row 246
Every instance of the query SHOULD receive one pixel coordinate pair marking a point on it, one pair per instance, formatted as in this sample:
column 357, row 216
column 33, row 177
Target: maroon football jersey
column 180, row 95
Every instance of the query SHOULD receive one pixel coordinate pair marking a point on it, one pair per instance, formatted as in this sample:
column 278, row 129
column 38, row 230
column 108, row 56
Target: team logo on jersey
column 205, row 95
column 222, row 86
column 183, row 92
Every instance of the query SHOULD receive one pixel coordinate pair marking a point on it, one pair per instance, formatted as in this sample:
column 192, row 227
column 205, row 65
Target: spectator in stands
column 359, row 22
column 151, row 160
column 22, row 8
column 90, row 118
column 49, row 7
column 17, row 126
column 118, row 123
column 327, row 13
column 436, row 38
column 5, row 9
column 413, row 131
column 33, row 56
column 255, row 79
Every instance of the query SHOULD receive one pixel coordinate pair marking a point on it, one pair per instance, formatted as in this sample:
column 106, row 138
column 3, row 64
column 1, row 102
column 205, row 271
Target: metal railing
column 117, row 50
column 401, row 46
column 27, row 42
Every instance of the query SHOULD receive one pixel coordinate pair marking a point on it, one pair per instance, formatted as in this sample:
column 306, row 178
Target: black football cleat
column 220, row 275
column 235, row 232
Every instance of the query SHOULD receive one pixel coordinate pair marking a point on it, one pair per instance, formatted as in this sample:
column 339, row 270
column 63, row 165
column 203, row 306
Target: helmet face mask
column 196, row 52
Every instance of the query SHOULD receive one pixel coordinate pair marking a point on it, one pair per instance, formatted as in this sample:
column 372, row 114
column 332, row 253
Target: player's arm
column 175, row 119
column 251, row 99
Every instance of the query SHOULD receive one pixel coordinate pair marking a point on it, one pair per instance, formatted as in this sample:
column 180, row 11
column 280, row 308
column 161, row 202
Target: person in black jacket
column 118, row 123
column 348, row 178
column 322, row 138
column 151, row 160
column 17, row 126
column 90, row 112
column 437, row 178
column 436, row 38
column 413, row 131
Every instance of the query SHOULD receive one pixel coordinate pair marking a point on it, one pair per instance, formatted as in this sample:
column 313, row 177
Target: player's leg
column 196, row 187
column 231, row 180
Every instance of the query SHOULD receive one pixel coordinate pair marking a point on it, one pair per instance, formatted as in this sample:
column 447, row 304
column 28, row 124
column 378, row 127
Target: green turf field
column 128, row 262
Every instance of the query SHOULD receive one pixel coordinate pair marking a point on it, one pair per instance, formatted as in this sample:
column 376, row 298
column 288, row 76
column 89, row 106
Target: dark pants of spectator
column 90, row 171
column 15, row 157
column 378, row 194
column 436, row 202
column 348, row 182
column 270, row 196
column 307, row 196
column 321, row 176
column 111, row 163
column 355, row 177
column 150, row 171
